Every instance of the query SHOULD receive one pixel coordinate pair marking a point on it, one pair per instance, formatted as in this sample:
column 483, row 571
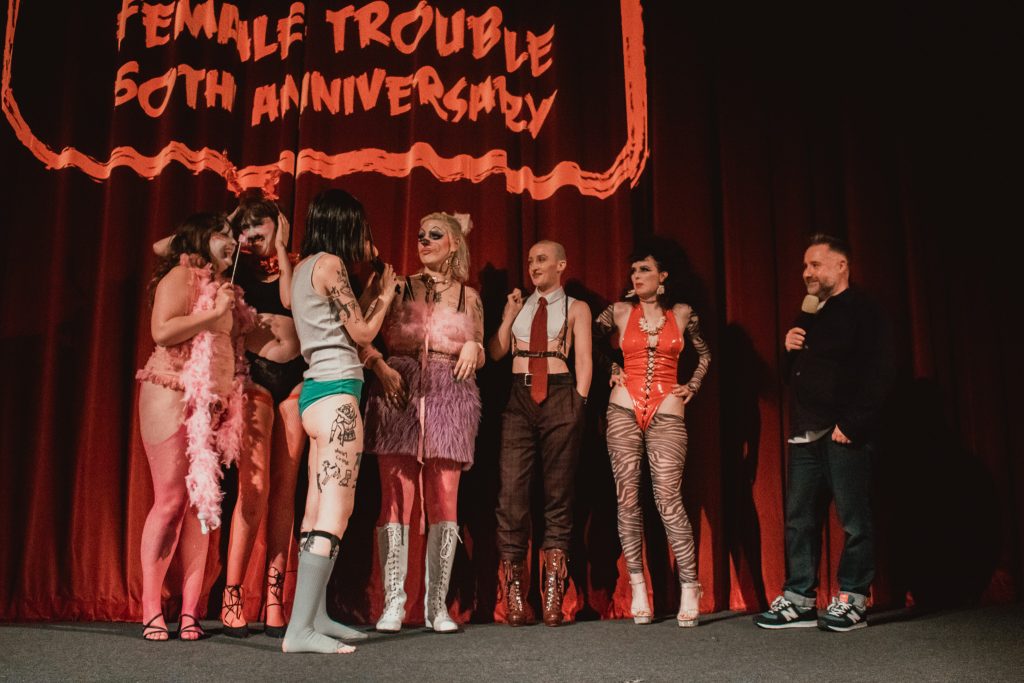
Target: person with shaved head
column 541, row 425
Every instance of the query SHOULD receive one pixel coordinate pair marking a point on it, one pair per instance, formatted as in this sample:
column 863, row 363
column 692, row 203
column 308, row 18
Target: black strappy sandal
column 194, row 627
column 275, row 591
column 148, row 629
column 232, row 605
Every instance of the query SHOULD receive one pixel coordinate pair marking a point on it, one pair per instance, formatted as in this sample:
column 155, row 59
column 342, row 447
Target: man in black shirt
column 839, row 365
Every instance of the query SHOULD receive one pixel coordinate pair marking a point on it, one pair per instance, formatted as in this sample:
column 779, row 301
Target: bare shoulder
column 328, row 263
column 177, row 277
column 580, row 308
column 683, row 312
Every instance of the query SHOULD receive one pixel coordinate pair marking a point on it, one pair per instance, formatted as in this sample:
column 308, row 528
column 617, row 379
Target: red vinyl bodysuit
column 650, row 371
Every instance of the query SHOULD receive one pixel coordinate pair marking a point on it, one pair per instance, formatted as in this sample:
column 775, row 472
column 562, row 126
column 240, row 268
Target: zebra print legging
column 665, row 442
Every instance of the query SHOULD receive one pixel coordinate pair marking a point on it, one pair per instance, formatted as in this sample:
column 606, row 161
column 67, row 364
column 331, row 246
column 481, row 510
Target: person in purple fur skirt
column 423, row 414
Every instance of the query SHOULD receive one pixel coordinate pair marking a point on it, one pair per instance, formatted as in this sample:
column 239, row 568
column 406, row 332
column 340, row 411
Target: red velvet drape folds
column 887, row 128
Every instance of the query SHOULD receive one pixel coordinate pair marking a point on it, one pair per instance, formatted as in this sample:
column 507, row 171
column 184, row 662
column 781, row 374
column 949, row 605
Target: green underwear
column 313, row 390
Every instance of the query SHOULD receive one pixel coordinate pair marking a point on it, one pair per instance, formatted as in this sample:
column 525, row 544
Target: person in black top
column 839, row 363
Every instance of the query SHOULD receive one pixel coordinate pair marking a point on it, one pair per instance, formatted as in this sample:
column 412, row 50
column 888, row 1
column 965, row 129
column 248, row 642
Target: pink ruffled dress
column 211, row 370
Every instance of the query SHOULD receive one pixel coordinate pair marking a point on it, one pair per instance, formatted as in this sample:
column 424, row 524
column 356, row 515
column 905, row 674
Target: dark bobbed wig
column 336, row 223
column 253, row 207
column 192, row 237
column 672, row 259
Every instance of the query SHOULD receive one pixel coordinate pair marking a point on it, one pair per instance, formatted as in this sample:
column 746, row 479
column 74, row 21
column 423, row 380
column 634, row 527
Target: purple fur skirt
column 451, row 415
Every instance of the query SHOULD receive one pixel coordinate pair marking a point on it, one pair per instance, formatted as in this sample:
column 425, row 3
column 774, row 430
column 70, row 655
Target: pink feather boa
column 214, row 430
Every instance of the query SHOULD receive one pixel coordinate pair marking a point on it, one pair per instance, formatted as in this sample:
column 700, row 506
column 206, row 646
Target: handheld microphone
column 808, row 309
column 378, row 267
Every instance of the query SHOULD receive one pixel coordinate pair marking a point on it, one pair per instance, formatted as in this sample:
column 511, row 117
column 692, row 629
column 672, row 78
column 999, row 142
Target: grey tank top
column 325, row 343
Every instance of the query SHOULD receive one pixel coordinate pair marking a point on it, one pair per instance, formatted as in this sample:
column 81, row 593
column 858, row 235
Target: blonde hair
column 459, row 261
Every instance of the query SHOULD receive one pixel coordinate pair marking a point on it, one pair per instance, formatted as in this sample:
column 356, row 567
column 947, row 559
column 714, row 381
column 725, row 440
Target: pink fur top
column 411, row 324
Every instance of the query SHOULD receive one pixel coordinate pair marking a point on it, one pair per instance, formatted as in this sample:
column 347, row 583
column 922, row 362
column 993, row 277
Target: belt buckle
column 527, row 380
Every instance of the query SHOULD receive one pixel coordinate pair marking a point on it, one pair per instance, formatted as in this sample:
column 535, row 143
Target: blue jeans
column 817, row 471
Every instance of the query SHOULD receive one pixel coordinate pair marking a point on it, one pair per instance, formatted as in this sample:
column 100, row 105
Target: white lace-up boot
column 393, row 548
column 441, row 541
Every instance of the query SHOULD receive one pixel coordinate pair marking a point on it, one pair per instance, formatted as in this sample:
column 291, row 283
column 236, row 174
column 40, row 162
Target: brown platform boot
column 514, row 604
column 555, row 573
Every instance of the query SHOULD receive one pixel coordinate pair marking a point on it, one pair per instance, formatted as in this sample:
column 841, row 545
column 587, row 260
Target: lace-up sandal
column 689, row 604
column 640, row 607
column 193, row 631
column 231, row 610
column 275, row 595
column 155, row 634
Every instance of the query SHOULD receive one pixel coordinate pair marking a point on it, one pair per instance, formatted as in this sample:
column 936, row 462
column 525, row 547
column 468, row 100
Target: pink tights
column 171, row 525
column 399, row 475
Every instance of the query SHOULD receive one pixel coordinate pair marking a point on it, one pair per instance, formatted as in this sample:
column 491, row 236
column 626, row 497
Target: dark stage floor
column 976, row 644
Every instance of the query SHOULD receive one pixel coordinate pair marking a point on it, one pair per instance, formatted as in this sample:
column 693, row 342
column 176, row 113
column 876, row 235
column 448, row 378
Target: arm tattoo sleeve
column 478, row 320
column 341, row 298
column 701, row 347
column 604, row 354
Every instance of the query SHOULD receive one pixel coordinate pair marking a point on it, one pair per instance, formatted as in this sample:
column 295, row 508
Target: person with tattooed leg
column 423, row 414
column 190, row 404
column 268, row 469
column 330, row 325
column 645, row 413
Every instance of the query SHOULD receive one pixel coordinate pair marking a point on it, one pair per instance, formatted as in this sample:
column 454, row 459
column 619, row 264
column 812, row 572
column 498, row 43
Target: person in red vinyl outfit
column 646, row 414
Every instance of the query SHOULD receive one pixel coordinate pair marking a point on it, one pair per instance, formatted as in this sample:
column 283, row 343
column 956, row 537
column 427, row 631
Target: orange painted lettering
column 399, row 88
column 124, row 87
column 446, row 47
column 337, row 21
column 538, row 114
column 349, row 87
column 289, row 94
column 146, row 90
column 486, row 33
column 199, row 18
column 512, row 60
column 128, row 8
column 369, row 91
column 428, row 84
column 371, row 17
column 424, row 14
column 481, row 98
column 286, row 31
column 192, row 79
column 539, row 47
column 259, row 39
column 323, row 94
column 454, row 103
column 510, row 105
column 264, row 104
column 155, row 18
column 225, row 89
column 231, row 27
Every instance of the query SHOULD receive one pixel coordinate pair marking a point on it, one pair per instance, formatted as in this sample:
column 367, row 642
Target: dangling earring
column 453, row 263
column 661, row 289
column 631, row 293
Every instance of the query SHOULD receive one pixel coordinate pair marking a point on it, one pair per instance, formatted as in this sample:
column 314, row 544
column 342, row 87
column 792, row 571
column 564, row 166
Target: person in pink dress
column 190, row 409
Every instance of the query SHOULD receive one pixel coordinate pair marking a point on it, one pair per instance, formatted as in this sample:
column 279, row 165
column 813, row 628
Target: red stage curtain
column 762, row 129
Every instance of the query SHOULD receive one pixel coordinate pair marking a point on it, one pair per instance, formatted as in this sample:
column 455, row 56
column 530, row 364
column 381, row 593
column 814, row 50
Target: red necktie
column 539, row 344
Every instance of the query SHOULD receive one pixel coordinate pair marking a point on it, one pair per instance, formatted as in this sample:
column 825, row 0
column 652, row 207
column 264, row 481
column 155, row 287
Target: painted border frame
column 628, row 165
